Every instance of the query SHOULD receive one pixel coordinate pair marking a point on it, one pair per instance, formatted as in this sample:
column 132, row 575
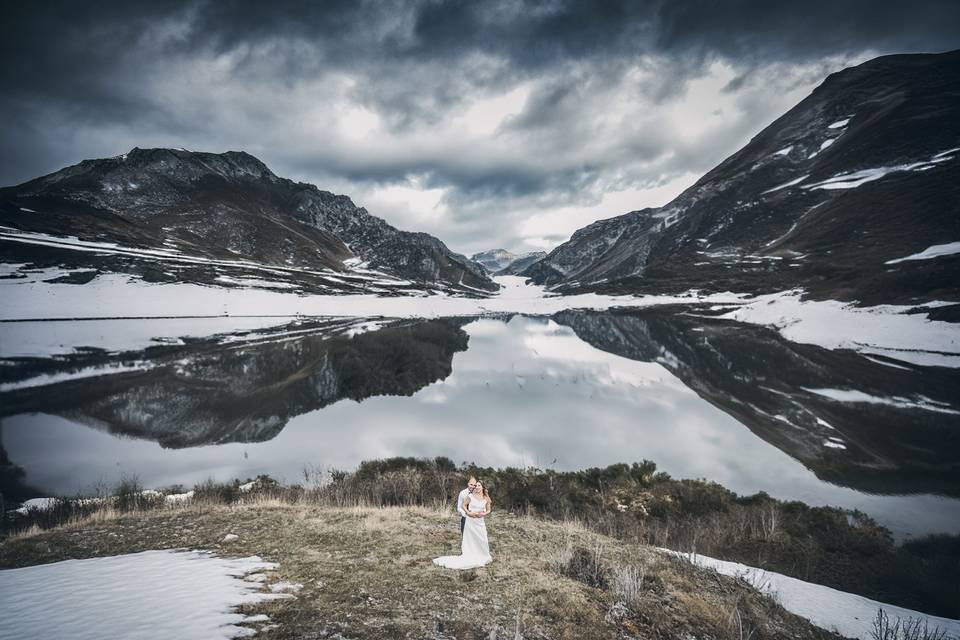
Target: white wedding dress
column 474, row 548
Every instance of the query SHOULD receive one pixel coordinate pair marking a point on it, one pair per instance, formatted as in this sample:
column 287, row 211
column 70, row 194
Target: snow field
column 191, row 595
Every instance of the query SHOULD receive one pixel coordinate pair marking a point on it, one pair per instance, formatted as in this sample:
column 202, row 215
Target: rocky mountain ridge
column 850, row 195
column 227, row 206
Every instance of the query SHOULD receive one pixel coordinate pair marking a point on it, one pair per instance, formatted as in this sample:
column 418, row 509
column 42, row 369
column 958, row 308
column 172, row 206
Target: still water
column 701, row 397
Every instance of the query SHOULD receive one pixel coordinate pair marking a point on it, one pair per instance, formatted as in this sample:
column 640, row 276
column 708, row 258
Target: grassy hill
column 367, row 573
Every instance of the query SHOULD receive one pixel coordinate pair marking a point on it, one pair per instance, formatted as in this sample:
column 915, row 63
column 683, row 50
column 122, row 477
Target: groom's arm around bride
column 461, row 508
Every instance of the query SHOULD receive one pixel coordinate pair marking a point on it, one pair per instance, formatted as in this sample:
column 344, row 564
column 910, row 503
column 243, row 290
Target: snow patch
column 257, row 282
column 365, row 327
column 935, row 251
column 165, row 594
column 37, row 504
column 946, row 153
column 852, row 395
column 87, row 372
column 786, row 184
column 885, row 330
column 839, row 123
column 848, row 614
column 854, row 179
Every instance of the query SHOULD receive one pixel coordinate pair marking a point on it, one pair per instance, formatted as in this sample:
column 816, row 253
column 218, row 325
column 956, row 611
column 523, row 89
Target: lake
column 84, row 403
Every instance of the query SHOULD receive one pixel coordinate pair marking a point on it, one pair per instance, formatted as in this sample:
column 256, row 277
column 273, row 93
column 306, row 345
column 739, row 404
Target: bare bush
column 559, row 559
column 626, row 582
column 769, row 522
column 741, row 628
column 910, row 629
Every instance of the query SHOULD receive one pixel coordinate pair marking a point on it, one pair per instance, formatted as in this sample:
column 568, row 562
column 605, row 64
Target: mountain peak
column 229, row 164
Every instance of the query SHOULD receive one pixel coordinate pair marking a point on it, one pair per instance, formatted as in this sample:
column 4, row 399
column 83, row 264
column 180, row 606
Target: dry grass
column 627, row 583
column 367, row 573
column 633, row 503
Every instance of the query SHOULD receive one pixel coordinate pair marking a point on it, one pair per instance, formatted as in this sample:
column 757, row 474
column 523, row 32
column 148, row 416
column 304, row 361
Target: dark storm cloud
column 92, row 79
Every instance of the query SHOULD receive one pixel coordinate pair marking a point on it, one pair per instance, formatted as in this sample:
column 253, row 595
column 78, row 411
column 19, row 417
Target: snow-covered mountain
column 177, row 215
column 853, row 195
column 494, row 259
column 521, row 263
column 503, row 262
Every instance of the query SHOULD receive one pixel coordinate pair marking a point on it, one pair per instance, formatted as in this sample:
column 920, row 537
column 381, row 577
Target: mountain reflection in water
column 702, row 397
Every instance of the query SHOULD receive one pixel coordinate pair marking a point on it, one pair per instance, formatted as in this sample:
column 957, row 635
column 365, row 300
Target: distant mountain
column 221, row 215
column 853, row 194
column 522, row 262
column 503, row 262
column 494, row 260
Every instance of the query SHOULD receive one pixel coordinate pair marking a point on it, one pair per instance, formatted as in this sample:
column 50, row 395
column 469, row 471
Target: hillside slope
column 838, row 196
column 367, row 573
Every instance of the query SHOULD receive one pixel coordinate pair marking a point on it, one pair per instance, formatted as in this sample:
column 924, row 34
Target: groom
column 471, row 483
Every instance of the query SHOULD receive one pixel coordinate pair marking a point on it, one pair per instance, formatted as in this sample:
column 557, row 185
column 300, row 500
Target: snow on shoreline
column 152, row 594
column 118, row 296
column 885, row 330
column 848, row 614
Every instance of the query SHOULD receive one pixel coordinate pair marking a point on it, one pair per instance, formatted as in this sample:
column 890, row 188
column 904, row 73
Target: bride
column 474, row 548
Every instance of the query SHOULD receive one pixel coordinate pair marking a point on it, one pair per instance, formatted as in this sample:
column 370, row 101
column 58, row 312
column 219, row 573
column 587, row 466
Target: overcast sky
column 488, row 124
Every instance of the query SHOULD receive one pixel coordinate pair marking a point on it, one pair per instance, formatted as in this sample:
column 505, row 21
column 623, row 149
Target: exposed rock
column 226, row 206
column 864, row 171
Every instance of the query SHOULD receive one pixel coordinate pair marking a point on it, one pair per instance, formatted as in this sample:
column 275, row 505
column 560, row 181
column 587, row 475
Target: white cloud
column 409, row 205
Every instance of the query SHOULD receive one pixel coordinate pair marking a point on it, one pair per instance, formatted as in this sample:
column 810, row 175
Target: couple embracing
column 474, row 505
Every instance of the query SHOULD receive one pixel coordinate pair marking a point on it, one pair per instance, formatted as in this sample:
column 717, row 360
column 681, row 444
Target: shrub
column 900, row 629
column 130, row 495
column 626, row 582
column 213, row 492
column 587, row 566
